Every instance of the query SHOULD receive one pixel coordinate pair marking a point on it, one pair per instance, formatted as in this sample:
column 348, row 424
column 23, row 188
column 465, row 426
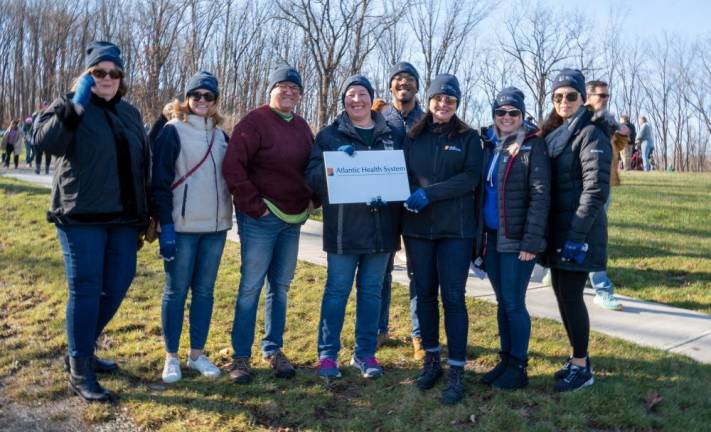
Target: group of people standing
column 500, row 199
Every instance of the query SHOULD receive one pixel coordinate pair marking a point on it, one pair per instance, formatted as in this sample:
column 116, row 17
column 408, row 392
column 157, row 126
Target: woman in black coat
column 581, row 155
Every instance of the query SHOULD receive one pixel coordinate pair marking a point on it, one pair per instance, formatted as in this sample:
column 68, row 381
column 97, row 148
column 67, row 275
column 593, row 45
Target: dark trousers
column 509, row 277
column 9, row 154
column 568, row 287
column 99, row 262
column 442, row 266
column 38, row 161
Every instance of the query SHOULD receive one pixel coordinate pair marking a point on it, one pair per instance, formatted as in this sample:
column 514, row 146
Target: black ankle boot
column 499, row 369
column 514, row 377
column 82, row 380
column 454, row 392
column 431, row 371
column 100, row 365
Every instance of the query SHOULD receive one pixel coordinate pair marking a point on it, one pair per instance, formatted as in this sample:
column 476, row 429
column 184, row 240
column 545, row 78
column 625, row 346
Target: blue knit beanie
column 284, row 73
column 99, row 51
column 202, row 80
column 509, row 96
column 570, row 78
column 354, row 80
column 406, row 68
column 445, row 84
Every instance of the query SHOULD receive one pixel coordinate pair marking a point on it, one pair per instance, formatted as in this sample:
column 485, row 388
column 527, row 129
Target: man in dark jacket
column 403, row 114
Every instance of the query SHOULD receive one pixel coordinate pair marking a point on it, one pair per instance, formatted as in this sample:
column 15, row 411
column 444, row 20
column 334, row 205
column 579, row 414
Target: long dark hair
column 551, row 123
column 454, row 127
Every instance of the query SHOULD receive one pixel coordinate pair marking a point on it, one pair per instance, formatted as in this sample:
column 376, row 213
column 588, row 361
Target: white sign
column 365, row 176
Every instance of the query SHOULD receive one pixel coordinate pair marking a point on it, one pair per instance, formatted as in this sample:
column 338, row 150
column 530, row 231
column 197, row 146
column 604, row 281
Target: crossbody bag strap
column 182, row 179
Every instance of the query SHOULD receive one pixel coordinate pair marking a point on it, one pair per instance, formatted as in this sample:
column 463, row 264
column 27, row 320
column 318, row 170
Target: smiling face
column 106, row 87
column 284, row 97
column 509, row 122
column 403, row 87
column 561, row 103
column 199, row 103
column 357, row 102
column 442, row 107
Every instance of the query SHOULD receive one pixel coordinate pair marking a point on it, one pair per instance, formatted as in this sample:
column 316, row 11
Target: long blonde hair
column 181, row 110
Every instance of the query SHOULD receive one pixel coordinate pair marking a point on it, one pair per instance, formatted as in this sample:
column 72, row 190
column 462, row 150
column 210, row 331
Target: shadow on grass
column 629, row 249
column 16, row 187
column 686, row 231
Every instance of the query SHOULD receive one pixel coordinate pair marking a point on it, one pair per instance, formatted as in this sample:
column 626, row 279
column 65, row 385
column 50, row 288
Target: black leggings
column 568, row 287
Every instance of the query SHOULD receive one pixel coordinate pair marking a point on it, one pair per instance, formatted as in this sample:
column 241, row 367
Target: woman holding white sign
column 444, row 159
column 357, row 237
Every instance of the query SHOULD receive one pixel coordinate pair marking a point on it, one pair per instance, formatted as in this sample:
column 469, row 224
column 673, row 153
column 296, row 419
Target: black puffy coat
column 580, row 186
column 447, row 165
column 103, row 166
column 523, row 184
column 353, row 228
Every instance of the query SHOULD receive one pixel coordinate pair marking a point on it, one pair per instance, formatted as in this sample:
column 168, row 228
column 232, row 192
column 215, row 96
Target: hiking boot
column 513, row 377
column 100, row 365
column 607, row 301
column 328, row 368
column 203, row 365
column 82, row 380
column 454, row 392
column 578, row 377
column 563, row 372
column 240, row 371
column 369, row 368
column 418, row 351
column 496, row 372
column 171, row 370
column 431, row 371
column 280, row 365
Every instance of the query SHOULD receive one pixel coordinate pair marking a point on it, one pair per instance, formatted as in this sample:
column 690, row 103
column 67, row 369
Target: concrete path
column 644, row 323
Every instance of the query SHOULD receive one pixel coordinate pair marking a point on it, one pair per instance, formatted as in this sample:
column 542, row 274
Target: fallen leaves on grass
column 652, row 401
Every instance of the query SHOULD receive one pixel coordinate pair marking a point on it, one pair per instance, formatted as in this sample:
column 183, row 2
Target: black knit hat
column 570, row 78
column 99, row 51
column 406, row 68
column 202, row 80
column 354, row 80
column 284, row 73
column 509, row 96
column 445, row 84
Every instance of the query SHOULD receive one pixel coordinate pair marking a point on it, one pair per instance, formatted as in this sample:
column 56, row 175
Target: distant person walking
column 632, row 137
column 39, row 154
column 12, row 144
column 99, row 203
column 27, row 135
column 645, row 140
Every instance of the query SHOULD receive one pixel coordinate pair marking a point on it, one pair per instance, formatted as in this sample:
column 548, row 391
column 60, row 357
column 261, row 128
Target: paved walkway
column 644, row 323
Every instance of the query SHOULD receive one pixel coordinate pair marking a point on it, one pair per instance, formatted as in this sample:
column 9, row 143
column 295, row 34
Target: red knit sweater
column 266, row 158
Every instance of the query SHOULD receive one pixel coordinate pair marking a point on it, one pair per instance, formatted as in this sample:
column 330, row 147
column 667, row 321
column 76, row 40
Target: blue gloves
column 348, row 149
column 167, row 242
column 417, row 201
column 574, row 251
column 82, row 92
column 377, row 203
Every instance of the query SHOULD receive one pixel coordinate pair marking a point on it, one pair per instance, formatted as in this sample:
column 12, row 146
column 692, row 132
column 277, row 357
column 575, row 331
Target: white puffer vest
column 201, row 203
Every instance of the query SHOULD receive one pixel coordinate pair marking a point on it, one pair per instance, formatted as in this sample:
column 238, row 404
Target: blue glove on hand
column 348, row 149
column 574, row 251
column 82, row 92
column 417, row 201
column 377, row 203
column 167, row 242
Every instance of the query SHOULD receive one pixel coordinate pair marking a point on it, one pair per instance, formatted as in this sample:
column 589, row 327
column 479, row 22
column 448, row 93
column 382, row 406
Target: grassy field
column 628, row 377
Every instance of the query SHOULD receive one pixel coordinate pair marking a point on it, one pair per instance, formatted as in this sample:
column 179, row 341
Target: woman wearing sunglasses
column 444, row 159
column 581, row 156
column 516, row 197
column 99, row 203
column 194, row 210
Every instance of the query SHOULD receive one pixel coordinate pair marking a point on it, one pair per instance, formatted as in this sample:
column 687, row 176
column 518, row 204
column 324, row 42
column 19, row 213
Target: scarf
column 558, row 138
column 511, row 142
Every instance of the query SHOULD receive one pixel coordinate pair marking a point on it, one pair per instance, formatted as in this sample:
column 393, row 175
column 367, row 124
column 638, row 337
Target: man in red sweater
column 264, row 169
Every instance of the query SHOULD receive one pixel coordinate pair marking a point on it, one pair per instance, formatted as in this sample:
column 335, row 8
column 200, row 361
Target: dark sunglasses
column 503, row 112
column 601, row 95
column 195, row 96
column 101, row 73
column 570, row 97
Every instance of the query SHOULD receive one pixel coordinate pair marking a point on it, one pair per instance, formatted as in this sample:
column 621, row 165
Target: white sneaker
column 204, row 366
column 171, row 370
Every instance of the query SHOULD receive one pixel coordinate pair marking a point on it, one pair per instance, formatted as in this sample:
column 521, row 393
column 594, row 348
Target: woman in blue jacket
column 444, row 158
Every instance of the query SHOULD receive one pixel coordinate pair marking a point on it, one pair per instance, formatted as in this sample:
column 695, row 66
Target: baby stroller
column 636, row 160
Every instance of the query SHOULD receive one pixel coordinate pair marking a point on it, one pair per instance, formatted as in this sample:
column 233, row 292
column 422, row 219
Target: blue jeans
column 646, row 152
column 442, row 265
column 384, row 321
column 195, row 267
column 100, row 263
column 369, row 283
column 29, row 153
column 509, row 277
column 269, row 248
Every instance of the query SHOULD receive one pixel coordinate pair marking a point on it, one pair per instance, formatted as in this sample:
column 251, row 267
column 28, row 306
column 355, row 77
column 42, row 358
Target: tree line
column 164, row 42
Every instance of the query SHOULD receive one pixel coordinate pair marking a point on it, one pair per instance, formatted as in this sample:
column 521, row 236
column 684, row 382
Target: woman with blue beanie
column 581, row 155
column 99, row 203
column 444, row 158
column 516, row 197
column 195, row 212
